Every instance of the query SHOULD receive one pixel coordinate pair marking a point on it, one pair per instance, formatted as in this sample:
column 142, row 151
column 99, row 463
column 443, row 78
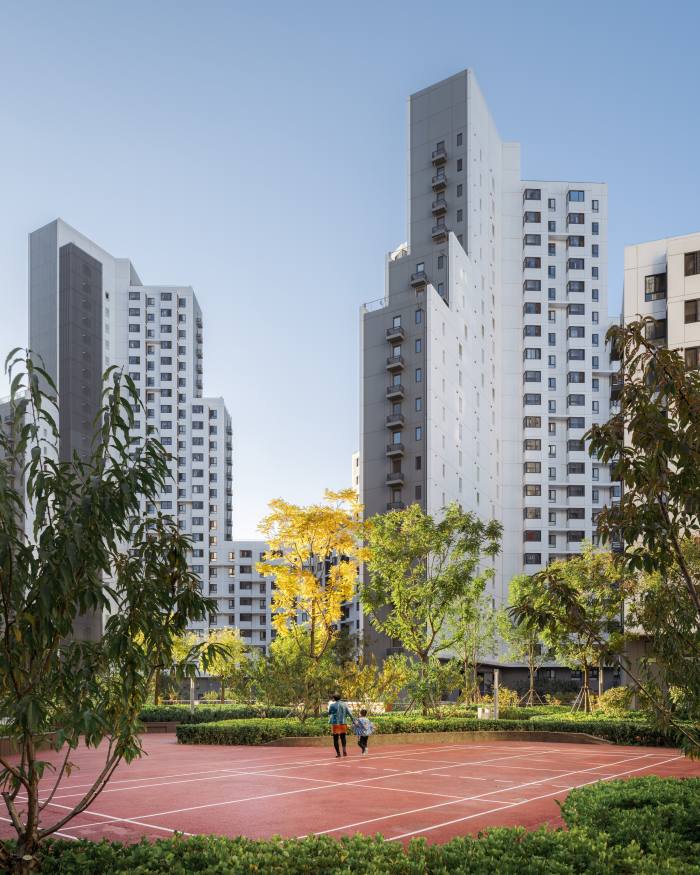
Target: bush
column 616, row 701
column 209, row 713
column 643, row 826
column 262, row 731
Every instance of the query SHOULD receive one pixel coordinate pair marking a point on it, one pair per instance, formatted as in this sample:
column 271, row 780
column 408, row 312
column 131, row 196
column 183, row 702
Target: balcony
column 394, row 450
column 419, row 278
column 439, row 233
column 395, row 333
column 439, row 155
column 395, row 363
column 615, row 387
column 394, row 478
column 439, row 181
column 439, row 206
column 395, row 505
column 395, row 420
column 394, row 391
column 199, row 337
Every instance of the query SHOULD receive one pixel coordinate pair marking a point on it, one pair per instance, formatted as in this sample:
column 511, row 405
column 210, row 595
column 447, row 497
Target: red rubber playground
column 437, row 791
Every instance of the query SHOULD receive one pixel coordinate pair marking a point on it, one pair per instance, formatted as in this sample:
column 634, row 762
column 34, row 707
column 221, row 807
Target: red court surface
column 433, row 790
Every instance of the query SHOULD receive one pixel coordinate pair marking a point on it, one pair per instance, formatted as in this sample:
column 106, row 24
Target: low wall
column 379, row 740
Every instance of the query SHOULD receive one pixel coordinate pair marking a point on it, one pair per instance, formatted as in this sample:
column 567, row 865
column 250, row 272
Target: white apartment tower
column 485, row 362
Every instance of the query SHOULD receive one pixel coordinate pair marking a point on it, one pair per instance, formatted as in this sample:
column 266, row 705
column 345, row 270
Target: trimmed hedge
column 209, row 713
column 642, row 826
column 270, row 729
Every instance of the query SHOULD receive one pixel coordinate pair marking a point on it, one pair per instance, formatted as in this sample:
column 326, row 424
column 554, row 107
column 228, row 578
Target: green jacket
column 338, row 712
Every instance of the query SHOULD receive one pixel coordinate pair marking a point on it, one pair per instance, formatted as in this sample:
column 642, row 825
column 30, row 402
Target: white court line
column 524, row 802
column 109, row 819
column 463, row 799
column 362, row 782
column 63, row 835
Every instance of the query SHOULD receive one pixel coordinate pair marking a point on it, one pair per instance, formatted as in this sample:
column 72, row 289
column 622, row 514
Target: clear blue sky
column 256, row 151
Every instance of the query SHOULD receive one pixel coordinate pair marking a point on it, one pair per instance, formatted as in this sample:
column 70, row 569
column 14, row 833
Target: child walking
column 363, row 728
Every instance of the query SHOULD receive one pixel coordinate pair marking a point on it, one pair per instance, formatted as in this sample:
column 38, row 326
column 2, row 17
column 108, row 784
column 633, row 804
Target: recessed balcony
column 395, row 333
column 439, row 206
column 395, row 420
column 395, row 505
column 419, row 278
column 439, row 181
column 396, row 390
column 394, row 450
column 439, row 233
column 615, row 386
column 439, row 155
column 394, row 478
column 395, row 363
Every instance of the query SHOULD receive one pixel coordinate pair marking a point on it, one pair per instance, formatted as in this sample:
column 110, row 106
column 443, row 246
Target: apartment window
column 595, row 406
column 576, row 422
column 419, row 375
column 575, row 491
column 397, row 322
column 531, row 354
column 594, row 317
column 441, row 262
column 552, row 339
column 576, row 195
column 576, row 468
column 532, row 422
column 595, row 206
column 459, row 165
column 459, row 139
column 396, row 437
column 532, row 558
column 552, row 473
column 552, row 494
column 576, row 331
column 532, row 377
column 595, row 273
column 655, row 287
column 532, row 513
column 551, row 361
column 532, row 331
column 532, row 286
column 532, row 467
column 551, row 294
column 459, row 215
column 134, row 329
column 532, row 444
column 552, row 272
column 575, row 264
column 551, row 249
column 551, row 203
column 552, row 227
column 656, row 330
column 594, row 250
column 692, row 357
column 532, row 262
column 419, row 433
column 551, row 383
column 134, row 344
column 533, row 194
column 531, row 217
column 576, row 309
column 551, row 315
column 532, row 307
column 418, row 492
column 418, row 344
column 532, row 240
column 419, row 317
column 595, row 295
column 576, row 377
column 692, row 263
column 532, row 398
column 595, row 362
column 575, row 400
column 595, row 228
column 419, row 404
column 552, row 451
column 692, row 311
column 532, row 535
column 532, row 490
column 441, row 289
column 575, row 218
column 575, row 286
column 576, row 355
column 459, row 190
column 419, row 463
column 595, row 473
column 551, row 406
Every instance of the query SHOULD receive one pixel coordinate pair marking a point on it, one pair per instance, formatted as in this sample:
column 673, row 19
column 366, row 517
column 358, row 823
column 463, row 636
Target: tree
column 367, row 683
column 419, row 570
column 73, row 541
column 230, row 659
column 314, row 555
column 653, row 446
column 576, row 604
column 525, row 643
column 475, row 630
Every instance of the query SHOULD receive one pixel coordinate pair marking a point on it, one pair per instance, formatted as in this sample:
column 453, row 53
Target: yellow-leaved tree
column 314, row 553
column 230, row 661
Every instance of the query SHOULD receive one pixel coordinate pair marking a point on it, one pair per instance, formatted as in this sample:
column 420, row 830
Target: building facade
column 485, row 362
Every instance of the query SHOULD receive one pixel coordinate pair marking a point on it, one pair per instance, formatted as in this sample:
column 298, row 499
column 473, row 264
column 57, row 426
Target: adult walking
column 339, row 716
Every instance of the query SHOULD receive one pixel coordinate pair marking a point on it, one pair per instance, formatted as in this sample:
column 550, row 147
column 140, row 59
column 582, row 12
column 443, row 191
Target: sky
column 256, row 151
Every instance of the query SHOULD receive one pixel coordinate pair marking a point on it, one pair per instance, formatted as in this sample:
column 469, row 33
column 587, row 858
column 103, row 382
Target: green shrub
column 261, row 731
column 209, row 713
column 616, row 701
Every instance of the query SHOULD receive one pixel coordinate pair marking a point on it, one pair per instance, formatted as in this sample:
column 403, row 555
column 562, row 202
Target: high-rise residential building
column 485, row 362
column 662, row 280
column 89, row 310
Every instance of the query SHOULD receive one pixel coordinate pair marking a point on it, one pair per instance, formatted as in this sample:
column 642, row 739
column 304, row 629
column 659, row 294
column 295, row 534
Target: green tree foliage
column 525, row 642
column 420, row 570
column 576, row 604
column 653, row 444
column 363, row 681
column 88, row 550
column 475, row 628
column 230, row 659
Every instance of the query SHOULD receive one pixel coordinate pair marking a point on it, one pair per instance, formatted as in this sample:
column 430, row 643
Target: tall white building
column 485, row 362
column 89, row 310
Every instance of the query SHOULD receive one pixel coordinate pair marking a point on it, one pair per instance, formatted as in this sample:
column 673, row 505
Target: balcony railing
column 394, row 478
column 395, row 505
column 395, row 391
column 439, row 206
column 439, row 232
column 395, row 363
column 394, row 449
column 395, row 420
column 395, row 333
column 439, row 155
column 419, row 278
column 439, row 181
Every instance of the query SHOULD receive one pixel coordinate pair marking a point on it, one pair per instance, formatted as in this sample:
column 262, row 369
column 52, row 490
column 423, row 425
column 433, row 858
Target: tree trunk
column 586, row 690
column 601, row 680
column 156, row 687
column 221, row 679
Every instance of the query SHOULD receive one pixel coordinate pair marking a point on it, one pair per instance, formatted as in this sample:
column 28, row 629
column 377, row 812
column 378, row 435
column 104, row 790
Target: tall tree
column 314, row 555
column 88, row 549
column 230, row 660
column 577, row 605
column 475, row 630
column 419, row 571
column 525, row 643
column 653, row 446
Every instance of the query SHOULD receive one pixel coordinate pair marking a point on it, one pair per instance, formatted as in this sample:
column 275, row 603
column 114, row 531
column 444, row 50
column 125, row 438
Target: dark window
column 532, row 422
column 533, row 194
column 532, row 535
column 532, row 467
column 576, row 468
column 532, row 398
column 656, row 330
column 655, row 287
column 575, row 241
column 575, row 218
column 459, row 139
column 532, row 286
column 575, row 264
column 576, row 195
column 532, row 558
column 532, row 307
column 532, row 331
column 575, row 286
column 532, row 444
column 532, row 513
column 576, row 309
column 533, row 240
column 533, row 489
column 532, row 217
column 575, row 491
column 459, row 165
column 692, row 311
column 692, row 357
column 532, row 262
column 576, row 422
column 692, row 263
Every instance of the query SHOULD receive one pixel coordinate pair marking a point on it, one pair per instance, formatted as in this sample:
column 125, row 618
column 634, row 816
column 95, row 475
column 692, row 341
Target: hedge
column 209, row 713
column 605, row 837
